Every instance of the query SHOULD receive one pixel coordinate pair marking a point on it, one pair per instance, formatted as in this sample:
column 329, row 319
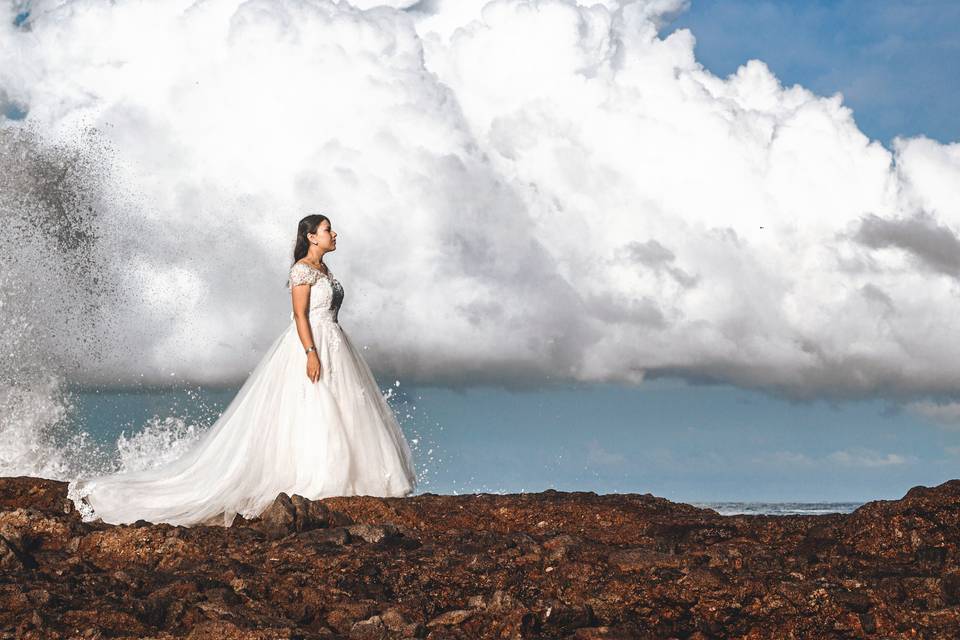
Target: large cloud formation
column 526, row 191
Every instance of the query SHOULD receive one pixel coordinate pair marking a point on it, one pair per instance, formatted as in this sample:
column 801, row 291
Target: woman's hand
column 313, row 366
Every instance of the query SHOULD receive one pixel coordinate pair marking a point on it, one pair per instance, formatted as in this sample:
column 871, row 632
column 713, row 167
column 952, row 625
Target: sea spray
column 160, row 441
column 420, row 430
column 52, row 287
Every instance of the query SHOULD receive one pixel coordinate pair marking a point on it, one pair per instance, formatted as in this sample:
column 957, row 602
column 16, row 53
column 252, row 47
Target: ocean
column 107, row 430
column 779, row 508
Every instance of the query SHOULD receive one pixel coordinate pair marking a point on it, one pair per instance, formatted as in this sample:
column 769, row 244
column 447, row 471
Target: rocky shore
column 536, row 565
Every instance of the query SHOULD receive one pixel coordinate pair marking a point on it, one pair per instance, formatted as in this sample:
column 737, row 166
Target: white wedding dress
column 282, row 432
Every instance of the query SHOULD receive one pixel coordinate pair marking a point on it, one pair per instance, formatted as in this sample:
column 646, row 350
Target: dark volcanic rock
column 293, row 515
column 547, row 565
column 13, row 559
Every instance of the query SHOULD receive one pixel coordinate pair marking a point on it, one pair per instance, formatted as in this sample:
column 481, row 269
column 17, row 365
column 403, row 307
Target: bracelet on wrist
column 314, row 348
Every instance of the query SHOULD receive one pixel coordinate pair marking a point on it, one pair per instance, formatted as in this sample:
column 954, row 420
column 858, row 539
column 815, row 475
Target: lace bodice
column 326, row 292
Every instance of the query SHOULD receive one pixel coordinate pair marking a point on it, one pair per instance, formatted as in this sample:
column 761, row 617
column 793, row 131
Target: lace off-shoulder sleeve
column 301, row 274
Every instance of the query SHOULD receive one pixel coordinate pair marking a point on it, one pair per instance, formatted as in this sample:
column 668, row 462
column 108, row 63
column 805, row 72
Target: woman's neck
column 314, row 256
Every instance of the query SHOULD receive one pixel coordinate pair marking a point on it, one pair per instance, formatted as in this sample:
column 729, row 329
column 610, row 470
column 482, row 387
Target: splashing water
column 28, row 443
column 162, row 440
column 421, row 433
column 53, row 286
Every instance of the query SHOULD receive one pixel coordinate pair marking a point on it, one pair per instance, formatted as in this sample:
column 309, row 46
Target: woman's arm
column 301, row 314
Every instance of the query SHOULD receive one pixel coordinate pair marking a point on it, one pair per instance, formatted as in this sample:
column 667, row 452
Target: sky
column 898, row 67
column 897, row 64
column 707, row 249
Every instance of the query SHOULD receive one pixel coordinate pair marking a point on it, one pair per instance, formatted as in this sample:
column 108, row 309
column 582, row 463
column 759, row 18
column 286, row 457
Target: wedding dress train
column 281, row 432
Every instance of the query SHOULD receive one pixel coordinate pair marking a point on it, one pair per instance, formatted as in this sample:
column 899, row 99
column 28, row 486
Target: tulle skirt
column 282, row 432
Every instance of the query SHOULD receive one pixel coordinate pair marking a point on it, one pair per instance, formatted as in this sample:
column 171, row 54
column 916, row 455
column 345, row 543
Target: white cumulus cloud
column 527, row 191
column 946, row 414
column 867, row 458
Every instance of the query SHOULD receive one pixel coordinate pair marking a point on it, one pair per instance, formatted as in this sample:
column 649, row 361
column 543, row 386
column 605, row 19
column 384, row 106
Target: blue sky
column 896, row 63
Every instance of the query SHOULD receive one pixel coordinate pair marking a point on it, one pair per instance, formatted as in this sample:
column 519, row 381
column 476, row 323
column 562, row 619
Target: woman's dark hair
column 308, row 225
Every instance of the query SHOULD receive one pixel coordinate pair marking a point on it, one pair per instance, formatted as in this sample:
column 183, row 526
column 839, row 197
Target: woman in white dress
column 310, row 420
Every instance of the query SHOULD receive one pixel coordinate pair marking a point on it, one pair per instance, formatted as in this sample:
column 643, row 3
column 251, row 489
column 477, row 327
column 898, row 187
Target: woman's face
column 325, row 237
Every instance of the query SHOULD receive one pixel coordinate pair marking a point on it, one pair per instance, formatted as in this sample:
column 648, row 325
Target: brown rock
column 548, row 565
column 338, row 536
column 641, row 559
column 950, row 585
column 852, row 600
column 345, row 614
column 566, row 618
column 34, row 529
column 279, row 518
column 501, row 600
column 370, row 629
column 393, row 619
column 449, row 618
column 37, row 493
column 476, row 602
column 295, row 514
column 413, row 630
column 607, row 633
column 12, row 559
column 559, row 547
column 372, row 533
column 225, row 630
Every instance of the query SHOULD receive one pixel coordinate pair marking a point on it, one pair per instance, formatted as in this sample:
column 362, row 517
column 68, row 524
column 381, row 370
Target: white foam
column 159, row 441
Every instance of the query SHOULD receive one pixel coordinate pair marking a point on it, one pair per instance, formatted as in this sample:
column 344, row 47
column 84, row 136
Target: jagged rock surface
column 543, row 565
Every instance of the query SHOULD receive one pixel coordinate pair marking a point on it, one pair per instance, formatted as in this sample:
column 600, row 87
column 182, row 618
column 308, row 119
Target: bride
column 309, row 420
